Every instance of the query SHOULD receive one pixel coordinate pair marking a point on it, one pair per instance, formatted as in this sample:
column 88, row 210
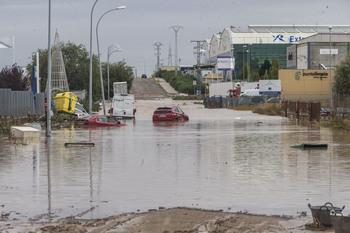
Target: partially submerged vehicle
column 169, row 114
column 80, row 111
column 99, row 120
column 123, row 104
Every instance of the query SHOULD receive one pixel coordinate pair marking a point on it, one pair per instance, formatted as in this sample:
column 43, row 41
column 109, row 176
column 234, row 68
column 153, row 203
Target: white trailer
column 120, row 88
column 123, row 104
column 220, row 89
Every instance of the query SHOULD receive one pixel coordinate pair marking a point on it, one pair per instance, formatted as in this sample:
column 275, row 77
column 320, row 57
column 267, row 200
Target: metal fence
column 21, row 103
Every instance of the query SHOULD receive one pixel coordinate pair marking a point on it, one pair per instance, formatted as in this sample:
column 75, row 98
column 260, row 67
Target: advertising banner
column 226, row 63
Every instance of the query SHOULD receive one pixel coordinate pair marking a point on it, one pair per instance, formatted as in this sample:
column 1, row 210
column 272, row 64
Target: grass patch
column 337, row 123
column 190, row 97
column 62, row 117
column 270, row 110
column 7, row 122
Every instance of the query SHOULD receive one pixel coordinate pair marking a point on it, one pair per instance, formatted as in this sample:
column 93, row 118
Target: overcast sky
column 145, row 22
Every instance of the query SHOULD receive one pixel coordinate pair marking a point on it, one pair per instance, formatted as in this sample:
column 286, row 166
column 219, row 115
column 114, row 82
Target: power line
column 170, row 56
column 157, row 53
column 176, row 28
column 198, row 47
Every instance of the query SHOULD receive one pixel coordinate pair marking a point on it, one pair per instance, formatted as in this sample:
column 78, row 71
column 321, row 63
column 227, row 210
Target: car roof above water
column 164, row 108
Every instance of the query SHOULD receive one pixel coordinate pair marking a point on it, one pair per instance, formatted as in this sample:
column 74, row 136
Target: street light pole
column 330, row 67
column 99, row 55
column 248, row 61
column 48, row 99
column 90, row 71
column 111, row 49
column 244, row 50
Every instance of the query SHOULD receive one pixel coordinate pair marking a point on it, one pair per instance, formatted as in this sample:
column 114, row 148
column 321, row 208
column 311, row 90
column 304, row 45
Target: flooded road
column 220, row 159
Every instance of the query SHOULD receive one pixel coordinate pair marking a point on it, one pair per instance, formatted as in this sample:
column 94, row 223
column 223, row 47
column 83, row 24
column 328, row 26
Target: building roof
column 212, row 76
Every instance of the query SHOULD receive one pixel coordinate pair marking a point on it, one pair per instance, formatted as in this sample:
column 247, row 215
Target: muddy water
column 220, row 159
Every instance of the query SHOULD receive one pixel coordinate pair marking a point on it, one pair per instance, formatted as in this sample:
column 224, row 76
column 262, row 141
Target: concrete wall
column 319, row 54
column 314, row 50
column 306, row 85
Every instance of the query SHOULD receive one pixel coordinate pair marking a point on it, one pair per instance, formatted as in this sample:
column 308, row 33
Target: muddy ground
column 177, row 220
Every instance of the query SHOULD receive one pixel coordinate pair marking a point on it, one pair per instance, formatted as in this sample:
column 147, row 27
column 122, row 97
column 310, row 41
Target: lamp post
column 48, row 99
column 330, row 67
column 244, row 50
column 111, row 49
column 248, row 68
column 99, row 55
column 90, row 71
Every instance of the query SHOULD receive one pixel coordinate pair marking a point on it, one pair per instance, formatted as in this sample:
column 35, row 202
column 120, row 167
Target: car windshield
column 80, row 107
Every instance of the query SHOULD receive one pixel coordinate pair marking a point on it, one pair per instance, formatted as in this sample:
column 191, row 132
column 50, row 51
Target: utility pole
column 170, row 56
column 198, row 48
column 176, row 29
column 157, row 53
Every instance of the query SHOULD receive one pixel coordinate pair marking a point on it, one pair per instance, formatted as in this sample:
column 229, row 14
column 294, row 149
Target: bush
column 181, row 83
column 190, row 97
column 269, row 109
column 63, row 117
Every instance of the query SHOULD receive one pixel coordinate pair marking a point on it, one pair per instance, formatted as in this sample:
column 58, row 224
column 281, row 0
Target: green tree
column 342, row 77
column 245, row 70
column 254, row 65
column 275, row 67
column 255, row 77
column 181, row 83
column 264, row 67
column 266, row 75
column 118, row 72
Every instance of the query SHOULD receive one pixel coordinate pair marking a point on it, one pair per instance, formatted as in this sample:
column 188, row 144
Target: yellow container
column 65, row 102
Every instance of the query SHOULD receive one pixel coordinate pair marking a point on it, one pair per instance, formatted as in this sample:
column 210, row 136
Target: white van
column 251, row 92
column 123, row 106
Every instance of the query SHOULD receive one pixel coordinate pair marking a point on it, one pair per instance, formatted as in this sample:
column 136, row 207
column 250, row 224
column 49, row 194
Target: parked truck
column 123, row 104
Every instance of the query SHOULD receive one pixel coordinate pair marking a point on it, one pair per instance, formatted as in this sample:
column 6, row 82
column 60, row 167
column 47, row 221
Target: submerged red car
column 169, row 114
column 100, row 120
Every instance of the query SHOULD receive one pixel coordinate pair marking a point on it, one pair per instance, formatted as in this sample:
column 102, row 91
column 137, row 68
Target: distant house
column 212, row 78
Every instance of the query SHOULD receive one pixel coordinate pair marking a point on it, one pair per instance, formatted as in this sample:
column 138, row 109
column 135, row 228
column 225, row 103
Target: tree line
column 266, row 70
column 76, row 60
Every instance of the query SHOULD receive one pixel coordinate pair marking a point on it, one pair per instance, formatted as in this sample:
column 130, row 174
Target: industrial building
column 264, row 42
column 314, row 52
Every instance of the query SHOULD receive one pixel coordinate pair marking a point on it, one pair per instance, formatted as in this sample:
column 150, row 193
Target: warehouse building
column 314, row 52
column 257, row 44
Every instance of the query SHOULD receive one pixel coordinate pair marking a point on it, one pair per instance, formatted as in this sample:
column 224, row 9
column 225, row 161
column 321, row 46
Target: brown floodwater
column 238, row 162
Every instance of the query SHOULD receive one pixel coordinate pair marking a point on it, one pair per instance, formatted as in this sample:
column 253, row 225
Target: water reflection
column 240, row 164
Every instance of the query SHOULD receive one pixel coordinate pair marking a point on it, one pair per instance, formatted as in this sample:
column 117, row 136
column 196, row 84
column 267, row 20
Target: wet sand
column 169, row 220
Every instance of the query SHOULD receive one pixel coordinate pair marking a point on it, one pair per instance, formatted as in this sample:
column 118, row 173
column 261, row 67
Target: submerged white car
column 80, row 111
